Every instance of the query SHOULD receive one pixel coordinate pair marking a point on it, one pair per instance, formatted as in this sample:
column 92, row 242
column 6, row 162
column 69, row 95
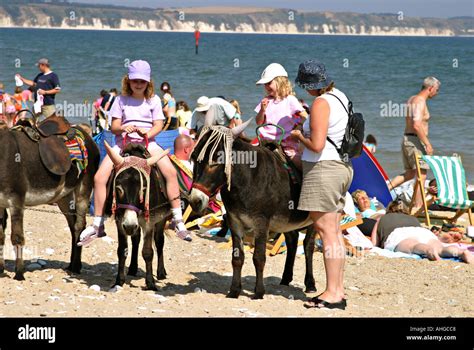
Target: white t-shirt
column 338, row 119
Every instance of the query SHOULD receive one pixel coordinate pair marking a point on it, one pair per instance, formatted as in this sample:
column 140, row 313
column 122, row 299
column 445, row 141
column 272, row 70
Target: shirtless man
column 415, row 139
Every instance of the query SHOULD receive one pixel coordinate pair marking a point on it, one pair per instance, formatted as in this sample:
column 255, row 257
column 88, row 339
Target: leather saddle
column 50, row 135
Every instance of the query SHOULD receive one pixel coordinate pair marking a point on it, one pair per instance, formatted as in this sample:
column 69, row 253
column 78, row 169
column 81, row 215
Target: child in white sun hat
column 282, row 108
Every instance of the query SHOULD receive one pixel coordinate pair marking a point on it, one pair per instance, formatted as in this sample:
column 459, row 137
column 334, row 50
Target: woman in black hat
column 326, row 178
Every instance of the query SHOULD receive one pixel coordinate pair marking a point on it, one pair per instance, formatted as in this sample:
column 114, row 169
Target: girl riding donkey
column 282, row 108
column 137, row 117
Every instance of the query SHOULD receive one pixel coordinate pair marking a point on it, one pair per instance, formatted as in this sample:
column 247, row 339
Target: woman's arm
column 319, row 123
column 165, row 109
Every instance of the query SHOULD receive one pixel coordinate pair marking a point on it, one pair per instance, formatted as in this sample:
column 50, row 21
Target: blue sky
column 420, row 8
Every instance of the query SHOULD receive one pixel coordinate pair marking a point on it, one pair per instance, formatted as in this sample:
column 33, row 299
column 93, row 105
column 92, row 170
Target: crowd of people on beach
column 310, row 135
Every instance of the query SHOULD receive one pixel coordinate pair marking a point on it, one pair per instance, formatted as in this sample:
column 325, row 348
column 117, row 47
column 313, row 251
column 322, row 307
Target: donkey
column 259, row 198
column 139, row 205
column 26, row 181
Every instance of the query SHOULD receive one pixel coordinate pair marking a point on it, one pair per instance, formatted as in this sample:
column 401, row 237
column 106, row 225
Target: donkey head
column 131, row 184
column 212, row 163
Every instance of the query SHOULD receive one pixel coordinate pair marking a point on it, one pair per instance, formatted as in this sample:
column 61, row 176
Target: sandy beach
column 199, row 275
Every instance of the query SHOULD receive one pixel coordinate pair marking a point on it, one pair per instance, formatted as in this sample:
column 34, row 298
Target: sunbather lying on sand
column 399, row 232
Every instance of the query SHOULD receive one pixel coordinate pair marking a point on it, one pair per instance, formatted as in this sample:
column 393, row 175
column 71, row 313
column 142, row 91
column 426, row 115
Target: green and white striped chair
column 452, row 190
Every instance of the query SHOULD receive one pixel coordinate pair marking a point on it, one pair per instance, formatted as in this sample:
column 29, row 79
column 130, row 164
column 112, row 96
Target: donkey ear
column 240, row 128
column 116, row 158
column 157, row 157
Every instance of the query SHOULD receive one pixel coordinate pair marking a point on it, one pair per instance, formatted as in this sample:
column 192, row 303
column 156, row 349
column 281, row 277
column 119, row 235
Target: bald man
column 183, row 147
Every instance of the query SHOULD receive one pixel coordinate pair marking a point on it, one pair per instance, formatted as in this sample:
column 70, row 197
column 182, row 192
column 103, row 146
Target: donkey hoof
column 119, row 282
column 161, row 276
column 258, row 296
column 19, row 276
column 233, row 294
column 151, row 286
column 311, row 289
column 74, row 268
column 285, row 282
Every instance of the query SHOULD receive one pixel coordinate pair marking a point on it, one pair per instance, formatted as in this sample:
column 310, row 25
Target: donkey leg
column 3, row 227
column 308, row 244
column 68, row 208
column 238, row 258
column 259, row 258
column 82, row 196
column 291, row 240
column 18, row 241
column 133, row 267
column 147, row 253
column 159, row 243
column 122, row 252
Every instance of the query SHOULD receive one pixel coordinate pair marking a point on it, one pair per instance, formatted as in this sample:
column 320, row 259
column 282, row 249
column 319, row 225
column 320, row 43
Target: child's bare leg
column 172, row 190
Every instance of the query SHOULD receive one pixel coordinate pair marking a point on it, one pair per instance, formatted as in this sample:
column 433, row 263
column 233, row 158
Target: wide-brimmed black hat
column 312, row 75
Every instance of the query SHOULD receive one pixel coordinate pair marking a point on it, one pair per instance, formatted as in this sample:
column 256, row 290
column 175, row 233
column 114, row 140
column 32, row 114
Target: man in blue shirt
column 47, row 85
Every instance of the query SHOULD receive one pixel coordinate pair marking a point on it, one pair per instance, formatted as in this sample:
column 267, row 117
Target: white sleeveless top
column 338, row 119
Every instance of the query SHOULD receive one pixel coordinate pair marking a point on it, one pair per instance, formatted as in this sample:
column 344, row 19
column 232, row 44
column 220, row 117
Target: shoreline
column 234, row 32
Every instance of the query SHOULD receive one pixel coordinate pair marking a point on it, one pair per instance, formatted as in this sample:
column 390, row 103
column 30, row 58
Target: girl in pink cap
column 282, row 108
column 136, row 115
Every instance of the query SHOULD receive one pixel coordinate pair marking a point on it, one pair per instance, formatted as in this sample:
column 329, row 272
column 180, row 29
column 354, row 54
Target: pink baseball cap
column 139, row 70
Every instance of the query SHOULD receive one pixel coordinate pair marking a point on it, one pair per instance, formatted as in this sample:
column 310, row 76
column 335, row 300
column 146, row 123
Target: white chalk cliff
column 72, row 16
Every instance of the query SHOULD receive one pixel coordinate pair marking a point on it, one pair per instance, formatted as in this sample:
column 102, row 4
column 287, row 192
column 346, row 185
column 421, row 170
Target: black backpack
column 353, row 137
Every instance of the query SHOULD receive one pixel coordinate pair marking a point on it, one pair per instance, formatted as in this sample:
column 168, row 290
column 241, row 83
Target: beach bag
column 353, row 139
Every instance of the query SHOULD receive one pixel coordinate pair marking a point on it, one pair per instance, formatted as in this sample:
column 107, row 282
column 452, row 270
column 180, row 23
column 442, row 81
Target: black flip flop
column 315, row 302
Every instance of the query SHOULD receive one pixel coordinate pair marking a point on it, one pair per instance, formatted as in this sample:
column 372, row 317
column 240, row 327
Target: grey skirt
column 325, row 184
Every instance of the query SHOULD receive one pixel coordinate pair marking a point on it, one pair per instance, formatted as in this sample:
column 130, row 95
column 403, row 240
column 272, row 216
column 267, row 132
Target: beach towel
column 389, row 254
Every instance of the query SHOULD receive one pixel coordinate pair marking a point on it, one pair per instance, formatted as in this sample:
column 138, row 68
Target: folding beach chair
column 452, row 192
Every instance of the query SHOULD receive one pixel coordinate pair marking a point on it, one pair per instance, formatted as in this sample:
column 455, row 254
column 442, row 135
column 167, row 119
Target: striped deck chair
column 452, row 191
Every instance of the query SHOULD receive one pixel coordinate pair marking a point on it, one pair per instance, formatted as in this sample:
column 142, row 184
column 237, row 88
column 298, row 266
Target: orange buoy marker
column 197, row 35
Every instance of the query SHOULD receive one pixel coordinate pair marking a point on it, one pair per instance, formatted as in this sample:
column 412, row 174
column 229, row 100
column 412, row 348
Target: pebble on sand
column 95, row 287
column 49, row 251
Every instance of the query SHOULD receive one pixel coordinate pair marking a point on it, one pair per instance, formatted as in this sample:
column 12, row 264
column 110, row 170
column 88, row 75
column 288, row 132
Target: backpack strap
column 347, row 111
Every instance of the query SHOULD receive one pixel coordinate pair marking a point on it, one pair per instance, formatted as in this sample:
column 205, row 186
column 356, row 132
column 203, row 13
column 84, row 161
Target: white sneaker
column 89, row 234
